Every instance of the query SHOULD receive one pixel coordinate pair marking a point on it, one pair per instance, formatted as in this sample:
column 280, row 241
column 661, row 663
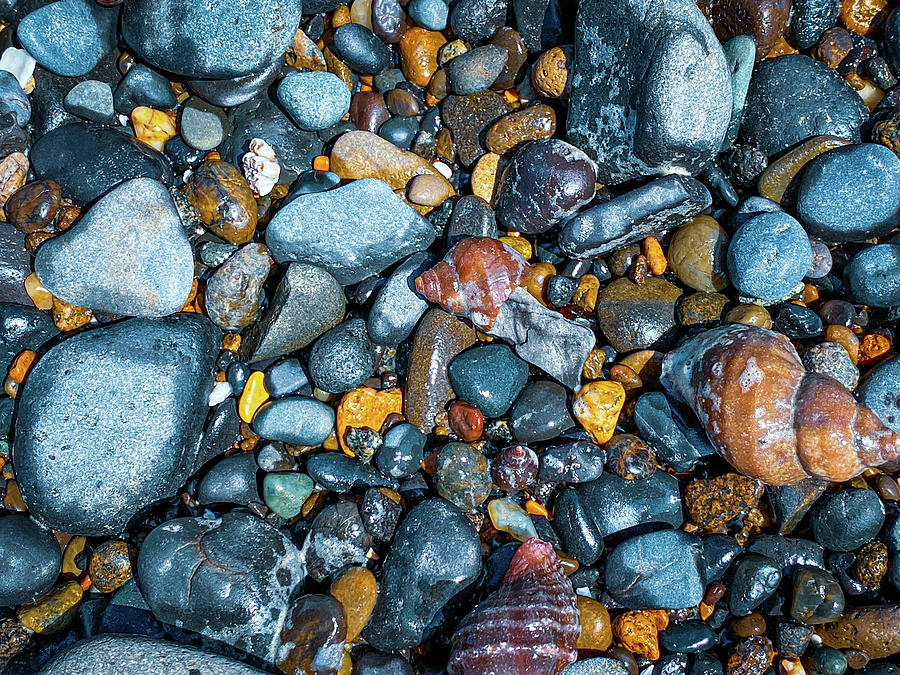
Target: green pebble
column 285, row 492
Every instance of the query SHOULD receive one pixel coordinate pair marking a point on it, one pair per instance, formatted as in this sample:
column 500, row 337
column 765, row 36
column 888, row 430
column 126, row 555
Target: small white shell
column 19, row 63
column 261, row 169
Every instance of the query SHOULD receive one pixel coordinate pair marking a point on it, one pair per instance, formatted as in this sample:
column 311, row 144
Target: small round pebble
column 401, row 453
column 490, row 377
column 343, row 358
column 315, row 100
column 285, row 492
column 430, row 14
column 847, row 519
column 873, row 276
column 541, row 412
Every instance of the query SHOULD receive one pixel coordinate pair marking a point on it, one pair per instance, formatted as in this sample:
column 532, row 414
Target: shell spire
column 528, row 626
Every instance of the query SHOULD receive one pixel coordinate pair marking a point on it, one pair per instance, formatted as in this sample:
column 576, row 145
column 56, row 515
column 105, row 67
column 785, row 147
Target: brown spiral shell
column 770, row 418
column 474, row 279
column 528, row 626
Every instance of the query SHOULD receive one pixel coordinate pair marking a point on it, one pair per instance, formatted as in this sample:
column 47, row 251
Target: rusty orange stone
column 466, row 421
column 865, row 17
column 638, row 631
column 356, row 590
column 20, row 366
column 656, row 258
column 536, row 278
column 873, row 347
column 68, row 317
column 368, row 408
column 419, row 54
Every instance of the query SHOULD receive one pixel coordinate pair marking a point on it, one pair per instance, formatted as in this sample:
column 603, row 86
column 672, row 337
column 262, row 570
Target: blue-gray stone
column 361, row 49
column 231, row 480
column 401, row 454
column 578, row 532
column 91, row 100
column 314, row 100
column 837, row 209
column 13, row 99
column 343, row 358
column 719, row 551
column 401, row 131
column 476, row 69
column 69, row 37
column 597, row 666
column 471, row 217
column 891, row 40
column 109, row 421
column 339, row 473
column 22, row 327
column 873, row 276
column 740, row 53
column 353, row 231
column 202, row 126
column 576, row 462
column 811, row 18
column 337, row 539
column 88, row 160
column 15, row 266
column 204, row 39
column 490, row 377
column 789, row 551
column 540, row 413
column 792, row 98
column 287, row 377
column 430, row 14
column 668, row 428
column 880, row 390
column 297, row 420
column 435, row 554
column 651, row 91
column 845, row 520
column 617, row 505
column 754, row 579
column 688, row 637
column 139, row 655
column 31, row 560
column 657, row 570
column 129, row 254
column 231, row 579
column 144, row 86
column 398, row 307
column 477, row 20
column 768, row 256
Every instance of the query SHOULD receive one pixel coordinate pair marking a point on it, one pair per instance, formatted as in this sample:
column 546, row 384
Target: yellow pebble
column 346, row 664
column 253, row 396
column 74, row 548
column 585, row 295
column 40, row 296
column 484, row 177
column 597, row 406
column 356, row 590
column 153, row 127
column 54, row 611
column 520, row 245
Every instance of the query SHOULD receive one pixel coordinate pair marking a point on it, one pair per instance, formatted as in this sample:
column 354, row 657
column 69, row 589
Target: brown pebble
column 428, row 190
column 701, row 308
column 887, row 488
column 764, row 20
column 526, row 124
column 400, row 102
column 551, row 72
column 749, row 626
column 873, row 630
column 222, row 196
column 466, row 421
column 625, row 376
column 865, row 17
column 711, row 503
column 418, row 54
column 774, row 181
column 509, row 39
column 368, row 111
column 714, row 593
column 468, row 117
column 832, row 47
column 872, row 564
column 35, row 239
column 750, row 315
column 34, row 206
column 752, row 656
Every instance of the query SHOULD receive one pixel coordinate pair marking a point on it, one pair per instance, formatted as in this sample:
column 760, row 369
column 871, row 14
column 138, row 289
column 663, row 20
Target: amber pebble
column 873, row 630
column 337, row 67
column 13, row 171
column 711, row 503
column 856, row 659
column 750, row 315
column 439, row 87
column 593, row 365
column 356, row 590
column 368, row 110
column 774, row 181
column 697, row 254
column 428, row 190
column 34, row 239
column 401, row 102
column 153, row 127
column 887, row 488
column 485, row 177
column 466, row 421
column 305, row 55
column 361, row 13
column 253, row 396
column 418, row 54
column 66, row 215
column 73, row 562
column 12, row 500
column 526, row 124
column 509, row 39
column 443, row 145
column 14, row 637
column 629, row 457
column 625, row 376
column 791, row 667
column 69, row 317
column 596, row 626
column 873, row 347
column 20, row 365
column 749, row 626
column 317, row 630
column 764, row 20
column 53, row 612
column 865, row 17
column 597, row 406
column 781, row 48
column 33, row 206
column 656, row 258
column 340, row 16
column 846, row 338
column 551, row 72
column 536, row 278
column 752, row 656
column 110, row 565
column 872, row 564
column 638, row 631
column 586, row 293
column 366, row 408
column 222, row 196
column 832, row 47
column 701, row 308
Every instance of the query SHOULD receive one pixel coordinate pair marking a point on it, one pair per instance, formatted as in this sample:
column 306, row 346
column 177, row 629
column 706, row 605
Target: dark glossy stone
column 657, row 206
column 235, row 91
column 578, row 531
column 401, row 454
column 792, row 98
column 234, row 290
column 634, row 316
column 668, row 428
column 476, row 69
column 797, row 322
column 788, row 551
column 223, row 430
column 388, row 20
column 817, row 596
column 337, row 539
column 651, row 90
column 792, row 502
column 31, row 560
column 13, row 99
column 540, row 413
column 764, row 21
column 361, row 49
column 575, row 462
column 375, row 663
column 22, row 327
column 401, row 131
column 754, row 579
column 845, row 520
column 397, row 308
column 88, row 160
column 232, row 480
column 490, row 377
column 873, row 276
column 880, row 391
column 339, row 473
column 719, row 552
column 143, row 86
column 15, row 266
column 468, row 118
column 471, row 217
column 476, row 20
column 688, row 637
column 811, row 18
column 315, row 633
column 33, row 206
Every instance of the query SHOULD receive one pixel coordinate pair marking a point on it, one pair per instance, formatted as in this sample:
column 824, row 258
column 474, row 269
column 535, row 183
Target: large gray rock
column 109, row 421
column 21, row 328
column 210, row 38
column 651, row 90
column 128, row 255
column 139, row 655
column 353, row 231
column 231, row 579
column 15, row 265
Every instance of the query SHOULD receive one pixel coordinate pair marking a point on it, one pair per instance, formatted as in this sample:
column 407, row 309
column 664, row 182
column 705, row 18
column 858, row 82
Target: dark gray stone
column 15, row 266
column 175, row 35
column 845, row 520
column 477, row 20
column 651, row 91
column 540, row 413
column 596, row 666
column 688, row 637
column 91, row 100
column 128, row 254
column 109, row 421
column 337, row 539
column 575, row 462
column 354, row 231
column 490, row 377
column 31, row 560
column 873, row 275
column 231, row 480
column 788, row 551
column 401, row 454
column 670, row 430
column 435, row 554
column 476, row 69
column 792, row 502
column 361, row 49
column 343, row 358
column 616, row 504
column 471, row 217
column 143, row 86
column 223, row 430
column 22, row 327
column 339, row 473
column 397, row 308
column 754, row 579
column 578, row 531
column 287, row 376
column 811, row 18
column 88, row 160
column 880, row 390
column 530, row 16
column 658, row 206
column 719, row 551
column 231, row 579
column 297, row 420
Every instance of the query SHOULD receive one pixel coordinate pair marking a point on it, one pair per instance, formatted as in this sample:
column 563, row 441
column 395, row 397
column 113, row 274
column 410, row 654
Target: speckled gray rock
column 314, row 99
column 616, row 504
column 811, row 18
column 489, row 376
column 297, row 420
column 15, row 266
column 307, row 303
column 143, row 86
column 31, row 560
column 109, row 420
column 175, row 35
column 651, row 91
column 873, row 275
column 476, row 69
column 91, row 100
column 845, row 520
column 343, row 358
column 658, row 206
column 353, row 231
column 830, row 358
column 476, row 20
column 397, row 308
column 792, row 98
column 543, row 337
column 69, row 37
column 202, row 126
column 128, row 254
column 656, row 570
column 139, row 655
column 231, row 579
column 13, row 99
column 596, row 666
column 21, row 328
column 435, row 554
column 880, row 390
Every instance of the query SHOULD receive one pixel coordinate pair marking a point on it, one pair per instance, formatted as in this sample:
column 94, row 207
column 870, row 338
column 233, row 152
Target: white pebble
column 19, row 63
column 261, row 169
column 219, row 393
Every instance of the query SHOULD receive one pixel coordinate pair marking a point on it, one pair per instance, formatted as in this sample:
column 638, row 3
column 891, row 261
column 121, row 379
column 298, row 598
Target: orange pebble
column 466, row 421
column 20, row 366
column 536, row 509
column 321, row 163
column 366, row 408
column 655, row 257
column 231, row 342
column 873, row 347
column 639, row 631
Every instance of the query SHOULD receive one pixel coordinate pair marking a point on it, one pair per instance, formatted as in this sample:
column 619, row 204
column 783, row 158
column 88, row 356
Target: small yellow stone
column 596, row 627
column 40, row 296
column 484, row 177
column 585, row 295
column 54, row 611
column 68, row 317
column 253, row 396
column 12, row 500
column 361, row 13
column 597, row 406
column 346, row 664
column 593, row 365
column 519, row 244
column 153, row 127
column 356, row 590
column 73, row 549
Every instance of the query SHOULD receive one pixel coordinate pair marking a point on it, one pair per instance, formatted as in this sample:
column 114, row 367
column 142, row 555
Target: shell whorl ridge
column 474, row 279
column 528, row 626
column 767, row 416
